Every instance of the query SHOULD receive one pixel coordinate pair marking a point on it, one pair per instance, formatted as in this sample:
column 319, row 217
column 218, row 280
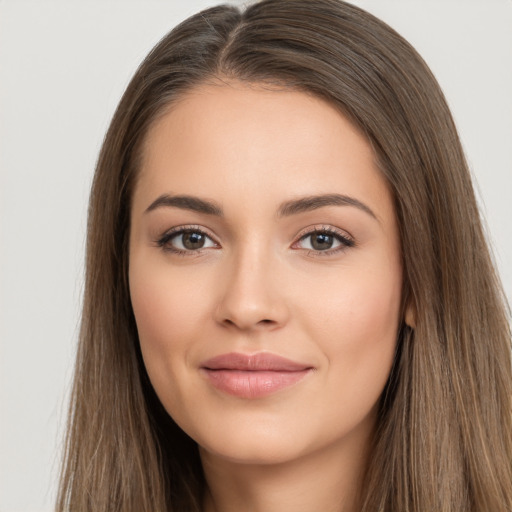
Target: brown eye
column 186, row 241
column 321, row 241
column 192, row 240
column 324, row 241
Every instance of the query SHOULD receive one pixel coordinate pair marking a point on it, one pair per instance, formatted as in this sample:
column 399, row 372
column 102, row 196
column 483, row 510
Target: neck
column 328, row 480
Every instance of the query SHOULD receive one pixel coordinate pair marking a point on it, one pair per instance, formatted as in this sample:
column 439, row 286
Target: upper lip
column 263, row 361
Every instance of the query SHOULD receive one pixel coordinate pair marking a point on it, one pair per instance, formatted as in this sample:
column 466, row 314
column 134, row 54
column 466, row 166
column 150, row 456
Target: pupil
column 322, row 241
column 193, row 240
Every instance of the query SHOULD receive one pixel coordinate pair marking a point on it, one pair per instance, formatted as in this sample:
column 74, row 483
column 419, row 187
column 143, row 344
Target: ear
column 410, row 316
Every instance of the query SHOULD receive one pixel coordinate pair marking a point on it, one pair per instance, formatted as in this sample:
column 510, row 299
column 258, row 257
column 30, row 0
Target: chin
column 279, row 440
column 248, row 439
column 261, row 451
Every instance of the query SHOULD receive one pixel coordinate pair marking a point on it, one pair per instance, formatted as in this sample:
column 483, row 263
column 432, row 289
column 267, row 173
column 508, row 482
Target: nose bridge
column 251, row 295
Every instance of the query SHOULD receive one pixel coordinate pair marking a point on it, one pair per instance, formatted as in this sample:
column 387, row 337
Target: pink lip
column 253, row 376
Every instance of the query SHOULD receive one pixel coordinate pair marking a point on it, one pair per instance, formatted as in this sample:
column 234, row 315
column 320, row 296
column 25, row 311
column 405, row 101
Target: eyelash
column 345, row 241
column 163, row 242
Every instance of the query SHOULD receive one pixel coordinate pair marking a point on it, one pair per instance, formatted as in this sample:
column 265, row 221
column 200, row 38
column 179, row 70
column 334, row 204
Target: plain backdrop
column 63, row 68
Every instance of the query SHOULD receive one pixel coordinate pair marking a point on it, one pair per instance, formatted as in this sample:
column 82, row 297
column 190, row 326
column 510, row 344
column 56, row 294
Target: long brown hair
column 443, row 440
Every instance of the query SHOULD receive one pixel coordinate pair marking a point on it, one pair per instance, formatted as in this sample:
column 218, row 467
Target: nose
column 252, row 297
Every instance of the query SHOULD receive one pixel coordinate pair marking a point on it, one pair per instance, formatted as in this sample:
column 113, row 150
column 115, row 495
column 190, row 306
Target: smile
column 253, row 376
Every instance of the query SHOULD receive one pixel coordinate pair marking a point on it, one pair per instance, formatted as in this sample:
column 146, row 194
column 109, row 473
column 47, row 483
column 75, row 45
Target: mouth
column 253, row 376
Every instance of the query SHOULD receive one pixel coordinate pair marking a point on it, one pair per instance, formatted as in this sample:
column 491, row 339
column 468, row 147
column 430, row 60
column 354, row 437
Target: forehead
column 236, row 140
column 254, row 116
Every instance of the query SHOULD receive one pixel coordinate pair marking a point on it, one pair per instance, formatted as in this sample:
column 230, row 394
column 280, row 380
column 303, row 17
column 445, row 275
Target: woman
column 289, row 301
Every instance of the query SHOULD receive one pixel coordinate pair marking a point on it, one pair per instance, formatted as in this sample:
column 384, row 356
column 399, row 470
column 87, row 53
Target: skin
column 258, row 285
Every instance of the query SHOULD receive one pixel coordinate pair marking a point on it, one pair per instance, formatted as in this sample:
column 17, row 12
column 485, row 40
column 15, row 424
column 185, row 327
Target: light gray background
column 63, row 67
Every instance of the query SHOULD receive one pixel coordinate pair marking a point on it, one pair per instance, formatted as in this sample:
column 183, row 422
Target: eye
column 186, row 240
column 324, row 240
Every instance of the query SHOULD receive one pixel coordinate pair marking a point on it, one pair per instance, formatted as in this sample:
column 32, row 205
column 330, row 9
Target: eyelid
column 346, row 239
column 163, row 239
column 325, row 228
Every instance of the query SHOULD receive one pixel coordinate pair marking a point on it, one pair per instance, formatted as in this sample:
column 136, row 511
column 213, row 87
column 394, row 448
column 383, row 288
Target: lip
column 253, row 376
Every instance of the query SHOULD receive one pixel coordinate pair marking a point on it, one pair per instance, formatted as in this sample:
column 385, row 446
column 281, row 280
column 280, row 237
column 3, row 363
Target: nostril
column 265, row 321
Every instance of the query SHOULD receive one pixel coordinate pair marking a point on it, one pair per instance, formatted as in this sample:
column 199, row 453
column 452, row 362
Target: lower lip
column 253, row 384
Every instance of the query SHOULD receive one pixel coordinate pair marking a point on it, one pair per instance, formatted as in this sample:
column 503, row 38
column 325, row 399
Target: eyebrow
column 288, row 208
column 192, row 203
column 309, row 203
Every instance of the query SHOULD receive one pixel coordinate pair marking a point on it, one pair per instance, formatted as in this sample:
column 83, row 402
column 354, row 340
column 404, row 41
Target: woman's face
column 265, row 273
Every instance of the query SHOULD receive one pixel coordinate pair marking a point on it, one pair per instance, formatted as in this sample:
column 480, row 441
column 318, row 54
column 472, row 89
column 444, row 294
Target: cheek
column 352, row 303
column 156, row 310
column 168, row 309
column 167, row 303
column 356, row 326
